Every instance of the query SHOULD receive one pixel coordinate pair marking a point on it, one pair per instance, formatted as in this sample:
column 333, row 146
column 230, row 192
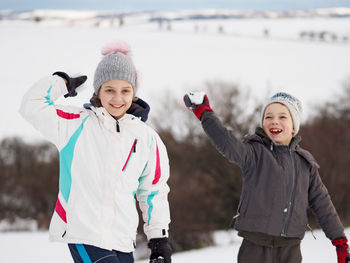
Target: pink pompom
column 115, row 47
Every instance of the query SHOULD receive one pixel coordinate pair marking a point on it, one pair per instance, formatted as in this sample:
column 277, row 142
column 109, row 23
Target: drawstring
column 312, row 232
column 233, row 219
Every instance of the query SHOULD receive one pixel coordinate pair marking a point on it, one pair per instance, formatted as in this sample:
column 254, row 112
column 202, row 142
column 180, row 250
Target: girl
column 280, row 182
column 107, row 156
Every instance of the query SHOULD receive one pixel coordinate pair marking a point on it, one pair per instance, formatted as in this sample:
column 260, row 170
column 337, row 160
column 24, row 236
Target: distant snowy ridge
column 171, row 15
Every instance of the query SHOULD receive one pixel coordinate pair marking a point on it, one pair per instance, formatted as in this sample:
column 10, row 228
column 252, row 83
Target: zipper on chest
column 117, row 126
column 132, row 150
column 287, row 210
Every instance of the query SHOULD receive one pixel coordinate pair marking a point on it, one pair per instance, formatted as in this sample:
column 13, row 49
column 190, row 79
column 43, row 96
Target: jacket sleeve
column 152, row 192
column 323, row 208
column 225, row 142
column 38, row 108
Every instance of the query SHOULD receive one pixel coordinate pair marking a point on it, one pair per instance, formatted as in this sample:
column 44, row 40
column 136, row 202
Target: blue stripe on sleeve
column 150, row 204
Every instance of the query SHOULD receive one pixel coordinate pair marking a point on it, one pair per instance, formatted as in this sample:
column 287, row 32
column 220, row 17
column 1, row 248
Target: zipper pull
column 118, row 128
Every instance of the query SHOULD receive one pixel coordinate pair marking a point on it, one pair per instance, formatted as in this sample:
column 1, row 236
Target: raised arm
column 223, row 139
column 38, row 107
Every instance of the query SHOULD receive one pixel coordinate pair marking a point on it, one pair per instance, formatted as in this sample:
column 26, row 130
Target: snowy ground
column 178, row 60
column 35, row 247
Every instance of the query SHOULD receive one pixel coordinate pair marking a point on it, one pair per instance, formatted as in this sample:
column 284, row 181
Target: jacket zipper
column 287, row 210
column 118, row 128
column 133, row 150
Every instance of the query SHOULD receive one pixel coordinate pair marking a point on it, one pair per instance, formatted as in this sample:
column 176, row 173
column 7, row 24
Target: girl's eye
column 268, row 117
column 126, row 90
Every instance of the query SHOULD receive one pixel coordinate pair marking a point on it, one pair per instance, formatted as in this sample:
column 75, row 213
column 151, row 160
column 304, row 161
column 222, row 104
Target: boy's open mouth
column 275, row 131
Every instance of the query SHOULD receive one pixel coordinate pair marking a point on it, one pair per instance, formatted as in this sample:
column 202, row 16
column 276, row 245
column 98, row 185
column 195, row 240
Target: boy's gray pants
column 252, row 253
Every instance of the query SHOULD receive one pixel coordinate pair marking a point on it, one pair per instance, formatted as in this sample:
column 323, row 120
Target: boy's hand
column 160, row 250
column 342, row 247
column 71, row 83
column 197, row 102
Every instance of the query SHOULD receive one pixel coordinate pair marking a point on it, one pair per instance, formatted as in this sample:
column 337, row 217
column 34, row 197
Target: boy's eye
column 126, row 90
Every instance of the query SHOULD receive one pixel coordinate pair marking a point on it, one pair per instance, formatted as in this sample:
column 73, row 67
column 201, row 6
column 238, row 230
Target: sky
column 138, row 5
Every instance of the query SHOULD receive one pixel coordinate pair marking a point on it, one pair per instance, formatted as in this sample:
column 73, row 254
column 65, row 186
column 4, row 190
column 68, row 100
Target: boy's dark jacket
column 279, row 184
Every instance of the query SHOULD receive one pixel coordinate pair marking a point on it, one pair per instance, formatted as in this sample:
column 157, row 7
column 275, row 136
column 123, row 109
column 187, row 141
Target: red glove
column 197, row 102
column 342, row 247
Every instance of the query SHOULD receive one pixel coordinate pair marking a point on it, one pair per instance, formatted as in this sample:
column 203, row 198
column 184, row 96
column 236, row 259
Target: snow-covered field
column 179, row 60
column 35, row 247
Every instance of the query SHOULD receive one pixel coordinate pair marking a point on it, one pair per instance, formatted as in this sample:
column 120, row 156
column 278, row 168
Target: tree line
column 205, row 187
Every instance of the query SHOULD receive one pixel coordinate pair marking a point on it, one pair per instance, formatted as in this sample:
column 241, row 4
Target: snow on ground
column 34, row 247
column 178, row 60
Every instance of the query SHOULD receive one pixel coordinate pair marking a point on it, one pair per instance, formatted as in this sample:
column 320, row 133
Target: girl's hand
column 71, row 83
column 160, row 250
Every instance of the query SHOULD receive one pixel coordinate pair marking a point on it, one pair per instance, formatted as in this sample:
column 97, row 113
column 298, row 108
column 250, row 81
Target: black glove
column 160, row 250
column 72, row 83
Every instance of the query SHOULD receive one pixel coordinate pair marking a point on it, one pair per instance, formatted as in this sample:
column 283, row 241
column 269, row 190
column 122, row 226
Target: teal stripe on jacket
column 66, row 159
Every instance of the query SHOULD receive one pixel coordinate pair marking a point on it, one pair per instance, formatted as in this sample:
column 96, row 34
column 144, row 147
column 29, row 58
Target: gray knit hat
column 116, row 64
column 293, row 105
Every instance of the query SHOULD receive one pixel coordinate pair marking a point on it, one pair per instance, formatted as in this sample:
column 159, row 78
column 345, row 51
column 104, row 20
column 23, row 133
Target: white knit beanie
column 116, row 64
column 293, row 105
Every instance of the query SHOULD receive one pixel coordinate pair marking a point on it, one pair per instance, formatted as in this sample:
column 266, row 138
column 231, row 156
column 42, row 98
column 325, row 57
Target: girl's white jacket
column 104, row 164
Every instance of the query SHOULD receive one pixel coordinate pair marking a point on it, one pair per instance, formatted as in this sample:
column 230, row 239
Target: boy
column 280, row 182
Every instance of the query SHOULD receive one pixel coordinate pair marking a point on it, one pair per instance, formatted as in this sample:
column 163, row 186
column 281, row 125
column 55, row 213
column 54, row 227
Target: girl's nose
column 116, row 98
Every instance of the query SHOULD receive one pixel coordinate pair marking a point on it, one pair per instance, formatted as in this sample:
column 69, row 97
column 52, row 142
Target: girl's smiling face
column 116, row 97
column 278, row 123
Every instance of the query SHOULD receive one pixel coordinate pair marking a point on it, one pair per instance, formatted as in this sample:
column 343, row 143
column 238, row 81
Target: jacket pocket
column 131, row 152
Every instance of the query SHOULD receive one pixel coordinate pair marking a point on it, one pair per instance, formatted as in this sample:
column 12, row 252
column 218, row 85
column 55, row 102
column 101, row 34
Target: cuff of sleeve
column 205, row 114
column 157, row 233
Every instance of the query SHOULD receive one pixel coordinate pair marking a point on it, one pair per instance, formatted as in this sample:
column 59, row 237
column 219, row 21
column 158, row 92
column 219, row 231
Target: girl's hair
column 95, row 101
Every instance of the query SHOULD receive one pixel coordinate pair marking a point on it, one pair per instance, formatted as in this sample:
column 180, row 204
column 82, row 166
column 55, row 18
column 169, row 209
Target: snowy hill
column 197, row 14
column 260, row 55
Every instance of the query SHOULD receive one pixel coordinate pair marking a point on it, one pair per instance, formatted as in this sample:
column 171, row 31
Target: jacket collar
column 107, row 120
column 261, row 137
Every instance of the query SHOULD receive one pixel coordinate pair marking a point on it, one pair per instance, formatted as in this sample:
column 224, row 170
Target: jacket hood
column 139, row 108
